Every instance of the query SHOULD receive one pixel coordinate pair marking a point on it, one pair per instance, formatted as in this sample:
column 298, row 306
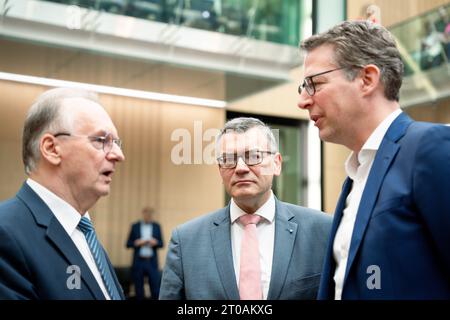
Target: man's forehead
column 318, row 59
column 251, row 139
column 92, row 116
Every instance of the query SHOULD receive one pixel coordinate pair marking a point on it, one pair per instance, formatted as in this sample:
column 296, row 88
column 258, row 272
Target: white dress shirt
column 146, row 234
column 357, row 167
column 69, row 218
column 266, row 238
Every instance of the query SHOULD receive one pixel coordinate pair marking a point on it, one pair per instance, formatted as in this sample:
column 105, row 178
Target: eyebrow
column 103, row 133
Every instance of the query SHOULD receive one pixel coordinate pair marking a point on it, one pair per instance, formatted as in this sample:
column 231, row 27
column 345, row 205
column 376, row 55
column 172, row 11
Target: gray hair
column 47, row 115
column 358, row 43
column 244, row 124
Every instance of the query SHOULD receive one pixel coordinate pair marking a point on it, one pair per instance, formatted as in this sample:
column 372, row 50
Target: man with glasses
column 257, row 247
column 390, row 237
column 48, row 246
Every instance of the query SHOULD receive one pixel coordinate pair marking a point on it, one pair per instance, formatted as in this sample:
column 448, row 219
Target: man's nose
column 305, row 100
column 241, row 166
column 116, row 153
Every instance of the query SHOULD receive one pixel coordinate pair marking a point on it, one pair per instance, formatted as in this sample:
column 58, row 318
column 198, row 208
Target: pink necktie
column 250, row 272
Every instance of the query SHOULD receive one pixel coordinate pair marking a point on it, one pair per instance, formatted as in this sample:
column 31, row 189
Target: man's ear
column 371, row 77
column 277, row 163
column 50, row 149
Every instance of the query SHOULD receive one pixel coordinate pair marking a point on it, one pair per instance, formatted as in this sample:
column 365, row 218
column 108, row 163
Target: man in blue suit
column 390, row 237
column 206, row 256
column 145, row 238
column 48, row 247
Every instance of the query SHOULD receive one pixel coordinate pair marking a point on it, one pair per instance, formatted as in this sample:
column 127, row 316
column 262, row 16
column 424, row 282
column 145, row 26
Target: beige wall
column 76, row 65
column 280, row 101
column 334, row 156
column 147, row 177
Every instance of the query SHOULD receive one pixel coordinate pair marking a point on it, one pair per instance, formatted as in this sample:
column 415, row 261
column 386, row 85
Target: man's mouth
column 316, row 119
column 242, row 181
column 108, row 173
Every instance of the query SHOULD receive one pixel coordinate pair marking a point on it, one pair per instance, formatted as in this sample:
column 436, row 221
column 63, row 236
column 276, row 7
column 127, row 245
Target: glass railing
column 424, row 43
column 267, row 20
column 425, row 40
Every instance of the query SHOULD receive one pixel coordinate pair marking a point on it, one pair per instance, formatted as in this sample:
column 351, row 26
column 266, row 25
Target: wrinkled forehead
column 235, row 142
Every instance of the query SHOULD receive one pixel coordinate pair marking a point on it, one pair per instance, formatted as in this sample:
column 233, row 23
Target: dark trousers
column 146, row 267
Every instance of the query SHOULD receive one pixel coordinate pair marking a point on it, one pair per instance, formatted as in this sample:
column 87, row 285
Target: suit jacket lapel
column 59, row 237
column 383, row 159
column 221, row 244
column 285, row 233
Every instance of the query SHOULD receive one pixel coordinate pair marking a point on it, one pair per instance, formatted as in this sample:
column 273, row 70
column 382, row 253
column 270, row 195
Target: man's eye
column 318, row 84
column 254, row 156
column 229, row 159
column 99, row 139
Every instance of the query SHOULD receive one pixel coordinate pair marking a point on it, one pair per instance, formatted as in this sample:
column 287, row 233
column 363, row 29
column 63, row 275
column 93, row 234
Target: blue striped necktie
column 98, row 253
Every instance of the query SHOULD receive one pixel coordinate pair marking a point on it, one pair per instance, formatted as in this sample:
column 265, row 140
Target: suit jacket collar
column 58, row 236
column 383, row 159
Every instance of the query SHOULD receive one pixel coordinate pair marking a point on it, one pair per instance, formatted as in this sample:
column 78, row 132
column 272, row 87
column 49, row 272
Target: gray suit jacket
column 199, row 263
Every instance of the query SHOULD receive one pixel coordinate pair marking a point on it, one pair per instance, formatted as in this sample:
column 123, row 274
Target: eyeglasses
column 99, row 142
column 251, row 158
column 309, row 84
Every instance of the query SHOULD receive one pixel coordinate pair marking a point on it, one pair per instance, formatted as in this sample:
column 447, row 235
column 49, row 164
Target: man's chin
column 243, row 194
column 104, row 190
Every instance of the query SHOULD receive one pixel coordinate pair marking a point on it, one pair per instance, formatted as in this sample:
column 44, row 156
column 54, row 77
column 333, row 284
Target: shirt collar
column 67, row 216
column 371, row 145
column 267, row 210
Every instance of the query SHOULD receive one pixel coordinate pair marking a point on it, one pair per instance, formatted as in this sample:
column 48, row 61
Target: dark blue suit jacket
column 135, row 234
column 403, row 221
column 36, row 254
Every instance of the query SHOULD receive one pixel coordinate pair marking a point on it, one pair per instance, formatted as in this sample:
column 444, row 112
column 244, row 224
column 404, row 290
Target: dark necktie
column 98, row 253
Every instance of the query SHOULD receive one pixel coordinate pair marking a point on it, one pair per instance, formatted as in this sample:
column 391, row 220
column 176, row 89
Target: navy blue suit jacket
column 36, row 254
column 135, row 234
column 403, row 222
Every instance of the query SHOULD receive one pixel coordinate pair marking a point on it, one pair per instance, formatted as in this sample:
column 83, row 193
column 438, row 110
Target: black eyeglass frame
column 309, row 83
column 243, row 157
column 106, row 145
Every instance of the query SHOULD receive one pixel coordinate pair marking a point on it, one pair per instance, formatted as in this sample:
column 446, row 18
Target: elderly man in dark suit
column 48, row 246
